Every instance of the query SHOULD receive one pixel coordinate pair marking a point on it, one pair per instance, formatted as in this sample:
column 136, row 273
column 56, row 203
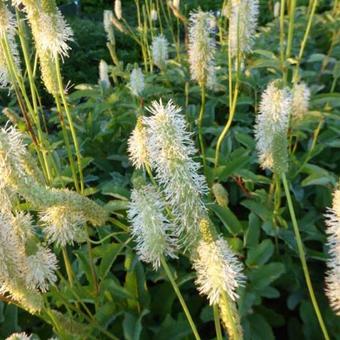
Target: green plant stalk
column 68, row 267
column 304, row 41
column 282, row 39
column 303, row 257
column 34, row 100
column 218, row 329
column 67, row 143
column 291, row 27
column 70, row 121
column 226, row 127
column 16, row 78
column 200, row 122
column 180, row 298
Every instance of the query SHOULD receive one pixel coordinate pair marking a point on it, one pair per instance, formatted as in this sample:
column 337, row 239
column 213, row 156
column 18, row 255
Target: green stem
column 304, row 41
column 70, row 121
column 291, row 28
column 303, row 257
column 67, row 142
column 217, row 323
column 180, row 298
column 226, row 127
column 199, row 124
column 282, row 39
column 68, row 267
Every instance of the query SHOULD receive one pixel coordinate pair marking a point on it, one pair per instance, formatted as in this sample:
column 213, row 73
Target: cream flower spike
column 333, row 264
column 202, row 47
column 243, row 15
column 153, row 233
column 218, row 270
column 171, row 151
column 272, row 126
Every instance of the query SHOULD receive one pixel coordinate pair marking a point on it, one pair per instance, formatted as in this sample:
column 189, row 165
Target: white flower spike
column 151, row 229
column 333, row 264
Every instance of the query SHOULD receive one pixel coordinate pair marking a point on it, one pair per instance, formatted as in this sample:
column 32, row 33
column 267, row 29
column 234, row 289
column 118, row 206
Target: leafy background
column 138, row 303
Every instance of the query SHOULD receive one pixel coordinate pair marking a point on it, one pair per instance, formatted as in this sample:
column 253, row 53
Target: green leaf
column 263, row 276
column 260, row 254
column 228, row 218
column 259, row 328
column 132, row 325
column 238, row 159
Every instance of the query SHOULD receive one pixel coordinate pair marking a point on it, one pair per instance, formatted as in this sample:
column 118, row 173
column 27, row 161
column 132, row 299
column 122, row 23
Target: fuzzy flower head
column 171, row 149
column 62, row 224
column 202, row 47
column 53, row 34
column 137, row 146
column 107, row 22
column 333, row 264
column 41, row 269
column 12, row 153
column 271, row 128
column 243, row 15
column 300, row 101
column 118, row 9
column 151, row 229
column 7, row 33
column 104, row 74
column 218, row 270
column 136, row 84
column 19, row 336
column 159, row 49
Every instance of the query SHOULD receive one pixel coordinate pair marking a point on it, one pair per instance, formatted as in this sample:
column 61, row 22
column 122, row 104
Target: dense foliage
column 111, row 293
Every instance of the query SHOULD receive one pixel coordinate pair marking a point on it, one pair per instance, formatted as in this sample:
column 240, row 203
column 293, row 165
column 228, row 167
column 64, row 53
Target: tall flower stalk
column 271, row 137
column 202, row 46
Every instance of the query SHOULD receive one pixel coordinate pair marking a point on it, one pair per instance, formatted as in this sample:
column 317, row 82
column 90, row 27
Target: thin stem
column 217, row 323
column 226, row 127
column 68, row 267
column 304, row 41
column 180, row 297
column 70, row 121
column 282, row 38
column 199, row 124
column 303, row 257
column 67, row 142
column 291, row 27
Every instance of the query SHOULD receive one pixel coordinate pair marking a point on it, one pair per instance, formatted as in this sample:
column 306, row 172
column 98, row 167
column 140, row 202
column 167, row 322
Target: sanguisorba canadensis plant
column 333, row 264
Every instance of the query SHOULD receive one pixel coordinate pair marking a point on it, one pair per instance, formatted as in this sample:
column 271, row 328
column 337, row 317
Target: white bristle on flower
column 104, row 74
column 202, row 47
column 171, row 150
column 54, row 34
column 19, row 336
column 242, row 25
column 150, row 228
column 118, row 9
column 137, row 146
column 272, row 126
column 333, row 264
column 300, row 101
column 41, row 269
column 136, row 84
column 159, row 49
column 218, row 270
column 62, row 224
column 7, row 33
column 107, row 22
